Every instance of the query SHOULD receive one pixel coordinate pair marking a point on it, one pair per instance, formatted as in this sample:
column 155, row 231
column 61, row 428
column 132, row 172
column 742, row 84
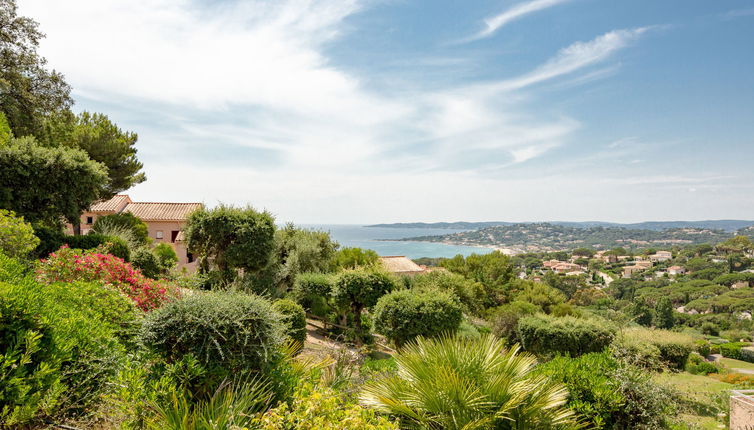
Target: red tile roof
column 161, row 211
column 400, row 264
column 112, row 205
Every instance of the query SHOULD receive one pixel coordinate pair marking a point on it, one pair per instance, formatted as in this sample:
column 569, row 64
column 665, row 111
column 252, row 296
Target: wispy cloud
column 494, row 23
column 737, row 13
column 575, row 57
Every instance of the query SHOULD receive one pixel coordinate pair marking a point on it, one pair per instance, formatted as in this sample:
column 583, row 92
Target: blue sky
column 378, row 111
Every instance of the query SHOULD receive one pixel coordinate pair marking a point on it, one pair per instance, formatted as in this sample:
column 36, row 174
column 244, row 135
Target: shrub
column 471, row 293
column 312, row 290
column 316, row 408
column 403, row 315
column 359, row 289
column 732, row 350
column 674, row 347
column 17, row 238
column 699, row 366
column 543, row 334
column 59, row 344
column 710, row 329
column 293, row 319
column 147, row 263
column 505, row 318
column 702, row 347
column 166, row 256
column 637, row 352
column 609, row 394
column 454, row 383
column 67, row 265
column 233, row 330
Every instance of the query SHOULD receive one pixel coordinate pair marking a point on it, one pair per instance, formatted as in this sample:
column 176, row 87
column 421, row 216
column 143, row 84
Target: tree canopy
column 48, row 184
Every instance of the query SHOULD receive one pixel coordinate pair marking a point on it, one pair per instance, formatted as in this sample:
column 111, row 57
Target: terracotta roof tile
column 162, row 211
column 112, row 205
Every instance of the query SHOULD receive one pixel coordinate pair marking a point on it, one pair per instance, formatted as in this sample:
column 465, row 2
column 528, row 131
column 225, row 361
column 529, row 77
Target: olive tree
column 227, row 239
column 359, row 289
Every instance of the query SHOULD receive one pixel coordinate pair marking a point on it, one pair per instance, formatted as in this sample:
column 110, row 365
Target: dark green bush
column 312, row 291
column 733, row 350
column 699, row 366
column 234, row 331
column 128, row 221
column 544, row 334
column 403, row 315
column 166, row 256
column 51, row 240
column 702, row 347
column 294, row 319
column 505, row 318
column 147, row 263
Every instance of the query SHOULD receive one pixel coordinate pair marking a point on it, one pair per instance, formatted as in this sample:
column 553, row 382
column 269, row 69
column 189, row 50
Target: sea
column 383, row 240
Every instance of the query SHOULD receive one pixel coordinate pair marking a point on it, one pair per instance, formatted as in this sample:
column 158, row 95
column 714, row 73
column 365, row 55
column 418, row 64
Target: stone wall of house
column 741, row 412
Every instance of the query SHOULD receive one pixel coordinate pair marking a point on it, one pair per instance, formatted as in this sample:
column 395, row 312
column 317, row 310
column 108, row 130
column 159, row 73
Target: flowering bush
column 68, row 265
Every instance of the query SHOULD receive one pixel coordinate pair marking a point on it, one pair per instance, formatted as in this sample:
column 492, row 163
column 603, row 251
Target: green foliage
column 319, row 408
column 6, row 134
column 734, row 350
column 135, row 227
column 641, row 312
column 610, row 395
column 359, row 289
column 453, row 383
column 17, row 237
column 736, row 244
column 403, row 315
column 471, row 293
column 59, row 344
column 296, row 251
column 494, row 271
column 28, row 91
column 313, row 291
column 147, row 263
column 353, row 258
column 538, row 294
column 232, row 330
column 48, row 184
column 638, row 352
column 234, row 405
column 227, row 239
column 505, row 318
column 293, row 319
column 584, row 252
column 166, row 256
column 674, row 347
column 697, row 365
column 543, row 334
column 664, row 314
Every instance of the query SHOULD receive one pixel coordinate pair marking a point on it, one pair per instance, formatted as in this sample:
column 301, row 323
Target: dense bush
column 505, row 318
column 732, row 350
column 293, row 319
column 166, row 256
column 312, row 291
column 16, row 236
column 637, row 352
column 699, row 366
column 59, row 344
column 609, row 394
column 147, row 263
column 403, row 315
column 543, row 334
column 359, row 289
column 471, row 293
column 674, row 347
column 233, row 330
column 68, row 265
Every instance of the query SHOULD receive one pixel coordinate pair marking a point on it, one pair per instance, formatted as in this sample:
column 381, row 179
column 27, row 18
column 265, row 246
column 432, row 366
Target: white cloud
column 255, row 74
column 494, row 23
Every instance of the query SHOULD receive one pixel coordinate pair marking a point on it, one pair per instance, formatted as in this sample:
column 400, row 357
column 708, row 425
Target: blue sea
column 374, row 238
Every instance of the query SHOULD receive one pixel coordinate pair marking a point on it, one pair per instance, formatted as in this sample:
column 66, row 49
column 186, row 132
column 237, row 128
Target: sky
column 366, row 111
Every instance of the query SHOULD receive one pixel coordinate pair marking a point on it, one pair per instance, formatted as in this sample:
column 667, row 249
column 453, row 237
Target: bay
column 379, row 240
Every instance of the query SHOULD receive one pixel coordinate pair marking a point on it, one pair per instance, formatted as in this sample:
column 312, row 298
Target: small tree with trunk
column 359, row 289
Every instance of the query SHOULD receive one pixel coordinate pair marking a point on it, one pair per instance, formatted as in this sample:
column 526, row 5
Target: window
column 190, row 257
column 173, row 235
column 90, row 220
column 158, row 234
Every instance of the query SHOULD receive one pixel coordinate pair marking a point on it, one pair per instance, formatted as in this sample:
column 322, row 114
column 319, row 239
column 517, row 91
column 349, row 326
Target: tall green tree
column 664, row 314
column 103, row 140
column 48, row 185
column 494, row 271
column 29, row 92
column 227, row 239
column 360, row 289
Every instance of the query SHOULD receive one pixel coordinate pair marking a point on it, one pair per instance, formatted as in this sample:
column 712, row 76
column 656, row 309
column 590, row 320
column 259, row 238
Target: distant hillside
column 460, row 225
column 724, row 224
column 532, row 237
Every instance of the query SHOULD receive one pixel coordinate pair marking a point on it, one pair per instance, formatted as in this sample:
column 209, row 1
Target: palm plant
column 452, row 383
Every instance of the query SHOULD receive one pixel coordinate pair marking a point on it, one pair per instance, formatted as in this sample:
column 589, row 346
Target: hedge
column 674, row 347
column 293, row 319
column 403, row 315
column 545, row 334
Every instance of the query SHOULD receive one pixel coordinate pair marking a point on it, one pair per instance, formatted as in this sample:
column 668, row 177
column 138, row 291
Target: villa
column 165, row 221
